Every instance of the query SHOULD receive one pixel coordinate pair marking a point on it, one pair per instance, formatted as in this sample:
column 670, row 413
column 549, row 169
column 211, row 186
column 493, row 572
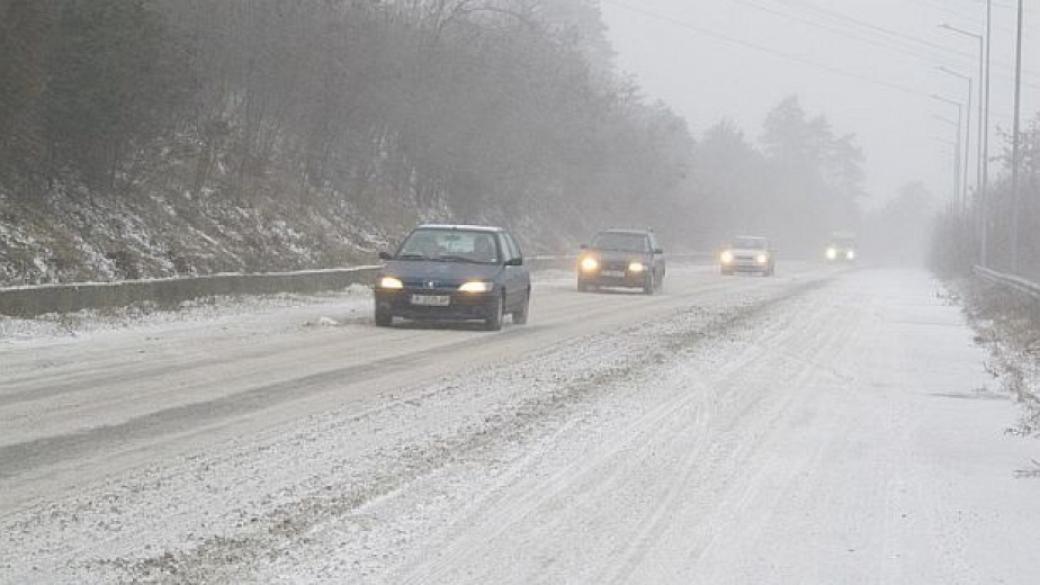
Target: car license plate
column 614, row 273
column 431, row 300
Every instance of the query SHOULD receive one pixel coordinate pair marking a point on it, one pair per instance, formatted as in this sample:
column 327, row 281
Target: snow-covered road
column 820, row 427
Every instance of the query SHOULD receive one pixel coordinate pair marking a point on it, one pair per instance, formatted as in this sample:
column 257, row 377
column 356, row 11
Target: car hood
column 414, row 272
column 616, row 255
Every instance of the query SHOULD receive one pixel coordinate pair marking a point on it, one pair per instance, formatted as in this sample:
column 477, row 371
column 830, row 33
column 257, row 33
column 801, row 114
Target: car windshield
column 450, row 245
column 844, row 243
column 620, row 241
column 749, row 244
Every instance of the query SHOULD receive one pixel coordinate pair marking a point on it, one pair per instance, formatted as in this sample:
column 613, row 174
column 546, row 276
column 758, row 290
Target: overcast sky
column 842, row 57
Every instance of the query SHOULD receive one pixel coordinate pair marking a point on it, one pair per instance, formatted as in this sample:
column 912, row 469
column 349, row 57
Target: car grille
column 430, row 284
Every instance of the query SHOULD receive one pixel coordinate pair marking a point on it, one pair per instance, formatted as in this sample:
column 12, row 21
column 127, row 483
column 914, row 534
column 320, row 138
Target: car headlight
column 476, row 286
column 832, row 253
column 636, row 267
column 391, row 283
column 762, row 258
column 589, row 264
column 727, row 257
column 850, row 255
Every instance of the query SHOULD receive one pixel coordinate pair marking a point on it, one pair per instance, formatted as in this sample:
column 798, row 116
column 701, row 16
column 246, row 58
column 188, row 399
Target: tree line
column 480, row 110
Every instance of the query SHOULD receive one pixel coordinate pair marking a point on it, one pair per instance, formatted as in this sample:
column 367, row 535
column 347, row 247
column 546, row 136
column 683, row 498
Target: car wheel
column 520, row 317
column 384, row 318
column 494, row 320
column 649, row 285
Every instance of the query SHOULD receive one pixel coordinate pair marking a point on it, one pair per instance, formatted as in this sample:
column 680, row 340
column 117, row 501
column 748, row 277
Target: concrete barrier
column 31, row 301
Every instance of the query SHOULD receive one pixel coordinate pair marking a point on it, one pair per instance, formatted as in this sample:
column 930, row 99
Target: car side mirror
column 518, row 261
column 658, row 250
column 386, row 256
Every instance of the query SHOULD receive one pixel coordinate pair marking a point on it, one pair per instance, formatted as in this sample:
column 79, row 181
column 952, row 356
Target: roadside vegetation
column 956, row 244
column 141, row 138
column 1008, row 324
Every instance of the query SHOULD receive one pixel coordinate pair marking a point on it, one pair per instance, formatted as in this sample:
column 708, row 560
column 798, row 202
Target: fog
column 516, row 291
column 785, row 118
column 868, row 65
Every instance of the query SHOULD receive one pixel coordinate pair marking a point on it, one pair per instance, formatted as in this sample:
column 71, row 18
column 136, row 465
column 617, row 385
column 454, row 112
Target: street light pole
column 967, row 132
column 956, row 147
column 984, row 189
column 1015, row 142
column 960, row 127
column 983, row 77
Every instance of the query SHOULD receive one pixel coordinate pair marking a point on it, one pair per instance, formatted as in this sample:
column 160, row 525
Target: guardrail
column 1010, row 281
column 35, row 300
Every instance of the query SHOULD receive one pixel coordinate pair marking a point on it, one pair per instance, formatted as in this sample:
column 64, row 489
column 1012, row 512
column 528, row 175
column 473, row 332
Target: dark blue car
column 454, row 273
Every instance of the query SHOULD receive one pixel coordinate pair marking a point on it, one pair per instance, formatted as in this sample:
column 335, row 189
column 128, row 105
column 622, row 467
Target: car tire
column 650, row 285
column 384, row 318
column 494, row 320
column 520, row 317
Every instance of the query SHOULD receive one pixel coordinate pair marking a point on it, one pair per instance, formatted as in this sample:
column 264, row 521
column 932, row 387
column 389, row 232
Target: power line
column 885, row 31
column 878, row 29
column 767, row 50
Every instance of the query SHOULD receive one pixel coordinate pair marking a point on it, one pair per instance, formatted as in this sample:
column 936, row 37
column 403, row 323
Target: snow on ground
column 821, row 427
column 325, row 309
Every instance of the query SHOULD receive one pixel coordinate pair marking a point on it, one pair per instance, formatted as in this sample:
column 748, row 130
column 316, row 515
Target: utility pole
column 1015, row 141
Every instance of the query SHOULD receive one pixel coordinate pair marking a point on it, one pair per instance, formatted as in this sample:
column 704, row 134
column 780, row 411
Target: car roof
column 749, row 238
column 626, row 231
column 460, row 227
